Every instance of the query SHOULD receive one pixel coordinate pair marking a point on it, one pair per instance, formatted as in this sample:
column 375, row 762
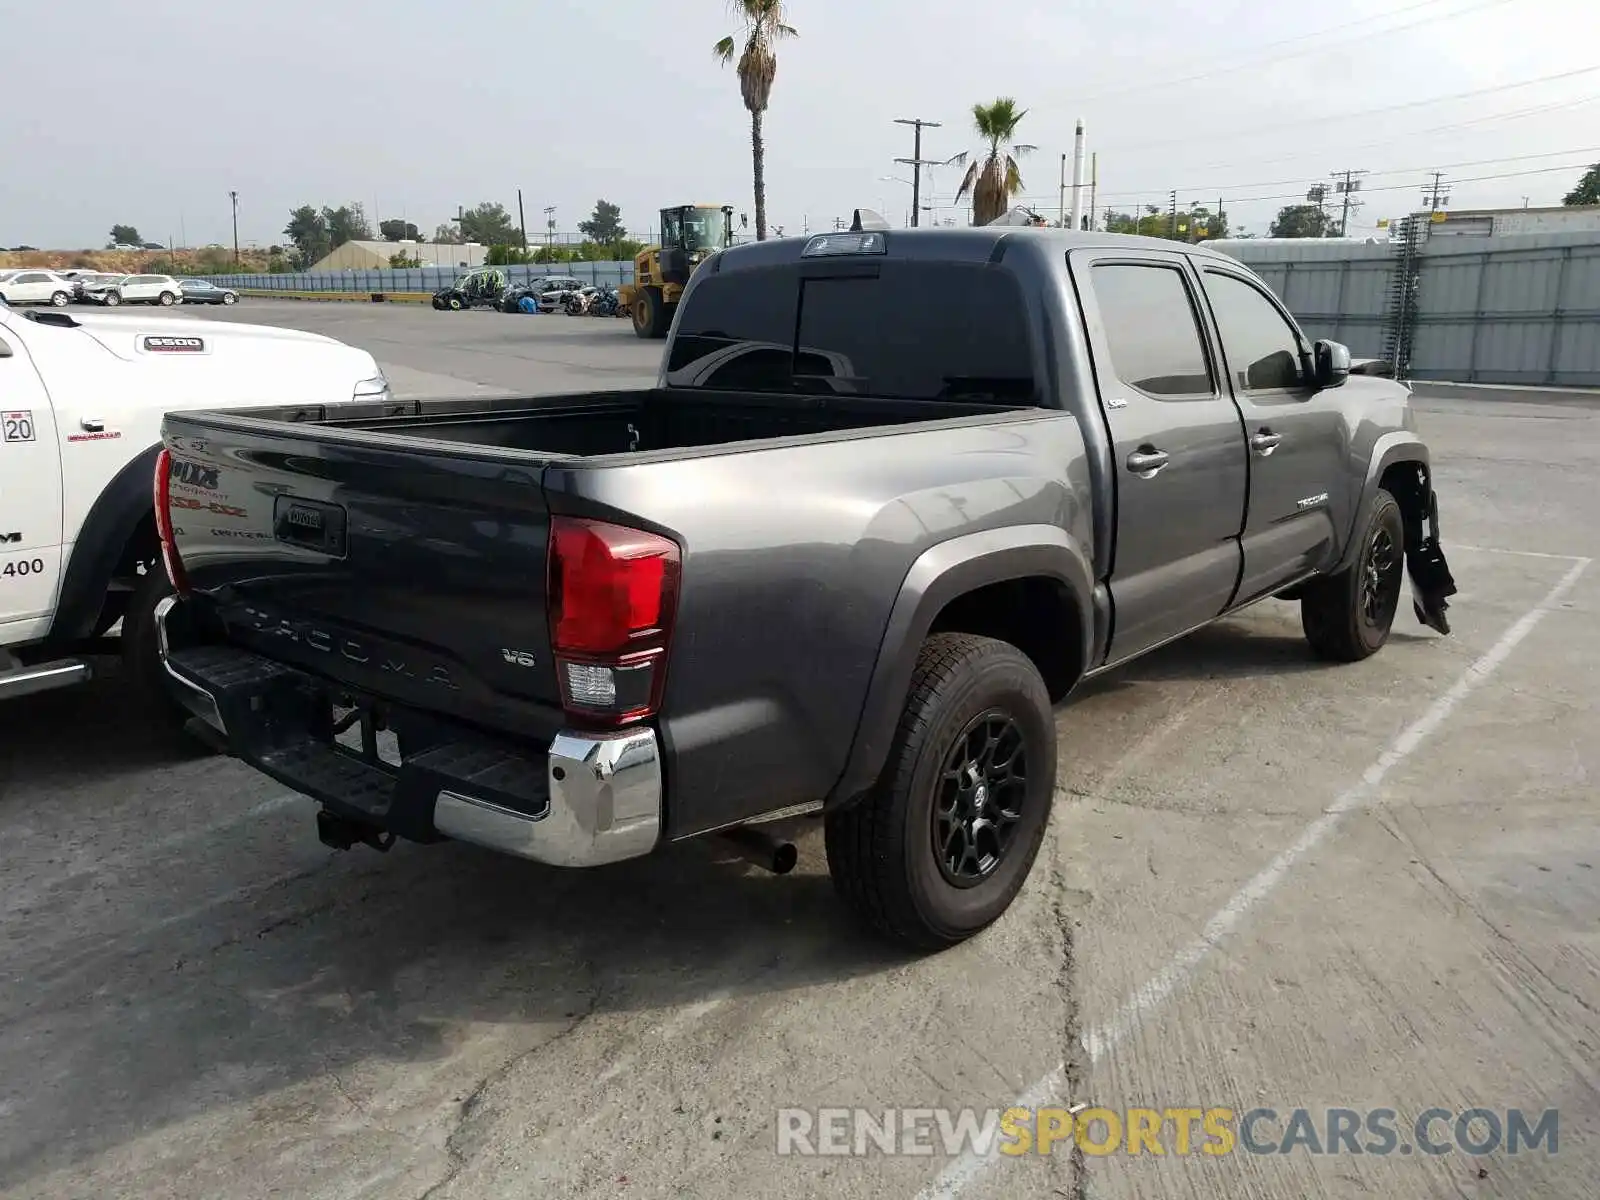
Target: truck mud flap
column 1431, row 581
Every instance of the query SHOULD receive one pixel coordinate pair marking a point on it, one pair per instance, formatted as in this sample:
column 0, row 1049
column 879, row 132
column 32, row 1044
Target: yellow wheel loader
column 690, row 234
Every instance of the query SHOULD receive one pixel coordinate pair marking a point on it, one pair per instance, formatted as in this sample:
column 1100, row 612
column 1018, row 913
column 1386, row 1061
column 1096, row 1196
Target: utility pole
column 916, row 162
column 1437, row 193
column 1347, row 185
column 522, row 221
column 1094, row 184
column 1173, row 231
column 550, row 224
column 1063, row 196
column 234, row 196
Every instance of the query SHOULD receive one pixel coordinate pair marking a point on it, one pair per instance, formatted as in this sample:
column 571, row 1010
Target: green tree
column 396, row 230
column 1303, row 221
column 605, row 226
column 489, row 224
column 307, row 232
column 995, row 178
column 125, row 235
column 400, row 260
column 447, row 235
column 757, row 65
column 1587, row 191
column 347, row 223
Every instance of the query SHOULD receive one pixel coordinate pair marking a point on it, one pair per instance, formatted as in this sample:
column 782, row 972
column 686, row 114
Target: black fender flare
column 943, row 573
column 1399, row 446
column 122, row 504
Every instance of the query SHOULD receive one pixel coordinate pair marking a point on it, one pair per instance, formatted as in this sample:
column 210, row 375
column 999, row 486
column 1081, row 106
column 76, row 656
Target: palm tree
column 764, row 26
column 995, row 178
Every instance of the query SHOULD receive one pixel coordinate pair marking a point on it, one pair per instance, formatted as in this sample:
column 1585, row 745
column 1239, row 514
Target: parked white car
column 145, row 289
column 36, row 287
column 81, row 402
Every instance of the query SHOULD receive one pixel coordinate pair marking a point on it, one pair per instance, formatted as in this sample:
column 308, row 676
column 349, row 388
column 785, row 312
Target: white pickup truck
column 81, row 402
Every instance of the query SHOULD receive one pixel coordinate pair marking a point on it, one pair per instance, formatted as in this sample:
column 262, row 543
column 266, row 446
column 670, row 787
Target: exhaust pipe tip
column 760, row 848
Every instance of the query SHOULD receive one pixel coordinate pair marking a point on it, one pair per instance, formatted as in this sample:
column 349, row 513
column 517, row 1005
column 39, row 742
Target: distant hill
column 208, row 261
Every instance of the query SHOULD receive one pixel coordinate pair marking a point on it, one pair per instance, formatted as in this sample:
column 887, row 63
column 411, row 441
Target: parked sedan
column 203, row 291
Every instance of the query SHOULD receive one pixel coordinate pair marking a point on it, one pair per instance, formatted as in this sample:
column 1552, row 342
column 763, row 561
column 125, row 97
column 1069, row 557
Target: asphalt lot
column 1268, row 883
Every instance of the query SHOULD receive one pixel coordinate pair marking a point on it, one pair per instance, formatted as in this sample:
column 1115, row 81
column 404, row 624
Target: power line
column 1393, row 187
column 1258, row 53
column 1372, row 112
column 1475, row 162
column 1404, row 136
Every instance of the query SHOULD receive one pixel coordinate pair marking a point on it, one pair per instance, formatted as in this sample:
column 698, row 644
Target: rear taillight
column 163, row 506
column 612, row 597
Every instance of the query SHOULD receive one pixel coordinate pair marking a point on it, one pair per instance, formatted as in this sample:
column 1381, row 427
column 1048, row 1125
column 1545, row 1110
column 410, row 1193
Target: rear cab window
column 913, row 330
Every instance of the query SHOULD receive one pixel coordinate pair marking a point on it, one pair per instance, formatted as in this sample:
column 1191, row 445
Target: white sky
column 149, row 113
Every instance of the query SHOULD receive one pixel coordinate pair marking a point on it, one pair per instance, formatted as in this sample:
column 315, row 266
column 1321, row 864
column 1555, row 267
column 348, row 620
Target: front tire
column 944, row 841
column 229, row 298
column 1347, row 617
column 650, row 318
column 112, row 299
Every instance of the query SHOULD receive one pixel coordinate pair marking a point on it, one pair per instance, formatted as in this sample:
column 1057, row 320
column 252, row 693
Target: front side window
column 1262, row 349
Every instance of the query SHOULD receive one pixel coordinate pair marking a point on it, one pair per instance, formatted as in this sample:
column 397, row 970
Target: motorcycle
column 607, row 303
column 578, row 302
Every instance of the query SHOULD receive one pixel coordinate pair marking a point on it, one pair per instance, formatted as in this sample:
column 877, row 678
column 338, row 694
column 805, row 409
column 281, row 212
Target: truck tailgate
column 417, row 574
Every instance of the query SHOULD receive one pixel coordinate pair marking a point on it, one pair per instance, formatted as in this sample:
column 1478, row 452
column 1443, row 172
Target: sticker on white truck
column 175, row 345
column 17, row 426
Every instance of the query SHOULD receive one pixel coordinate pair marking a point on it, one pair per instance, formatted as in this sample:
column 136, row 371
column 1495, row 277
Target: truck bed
column 647, row 421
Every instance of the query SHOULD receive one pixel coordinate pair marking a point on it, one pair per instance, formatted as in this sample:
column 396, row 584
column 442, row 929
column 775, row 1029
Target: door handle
column 1146, row 462
column 90, row 425
column 1265, row 442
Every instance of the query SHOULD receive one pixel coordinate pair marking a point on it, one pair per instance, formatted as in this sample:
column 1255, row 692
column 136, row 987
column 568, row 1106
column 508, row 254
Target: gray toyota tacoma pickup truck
column 895, row 494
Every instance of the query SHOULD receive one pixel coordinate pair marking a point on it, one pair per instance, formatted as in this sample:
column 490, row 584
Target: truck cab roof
column 977, row 244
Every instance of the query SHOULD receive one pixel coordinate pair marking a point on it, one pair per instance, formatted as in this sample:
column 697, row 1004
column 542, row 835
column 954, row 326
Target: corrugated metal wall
column 1518, row 310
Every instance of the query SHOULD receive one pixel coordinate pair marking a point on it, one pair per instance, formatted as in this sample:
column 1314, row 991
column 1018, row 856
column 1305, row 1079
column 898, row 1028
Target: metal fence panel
column 418, row 279
column 1520, row 310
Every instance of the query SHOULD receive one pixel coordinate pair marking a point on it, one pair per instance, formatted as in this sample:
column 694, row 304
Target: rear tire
column 167, row 300
column 1347, row 617
column 59, row 299
column 944, row 841
column 141, row 650
column 113, row 299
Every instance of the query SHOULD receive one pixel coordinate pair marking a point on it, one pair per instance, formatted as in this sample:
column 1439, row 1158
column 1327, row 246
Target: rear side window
column 919, row 331
column 1150, row 329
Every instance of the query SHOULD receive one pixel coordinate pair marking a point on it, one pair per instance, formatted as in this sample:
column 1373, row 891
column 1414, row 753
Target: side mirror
column 1332, row 364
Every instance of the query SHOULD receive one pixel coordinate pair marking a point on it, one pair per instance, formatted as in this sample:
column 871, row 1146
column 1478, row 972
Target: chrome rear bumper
column 588, row 799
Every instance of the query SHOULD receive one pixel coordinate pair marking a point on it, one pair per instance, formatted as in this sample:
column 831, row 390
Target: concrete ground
column 1268, row 883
